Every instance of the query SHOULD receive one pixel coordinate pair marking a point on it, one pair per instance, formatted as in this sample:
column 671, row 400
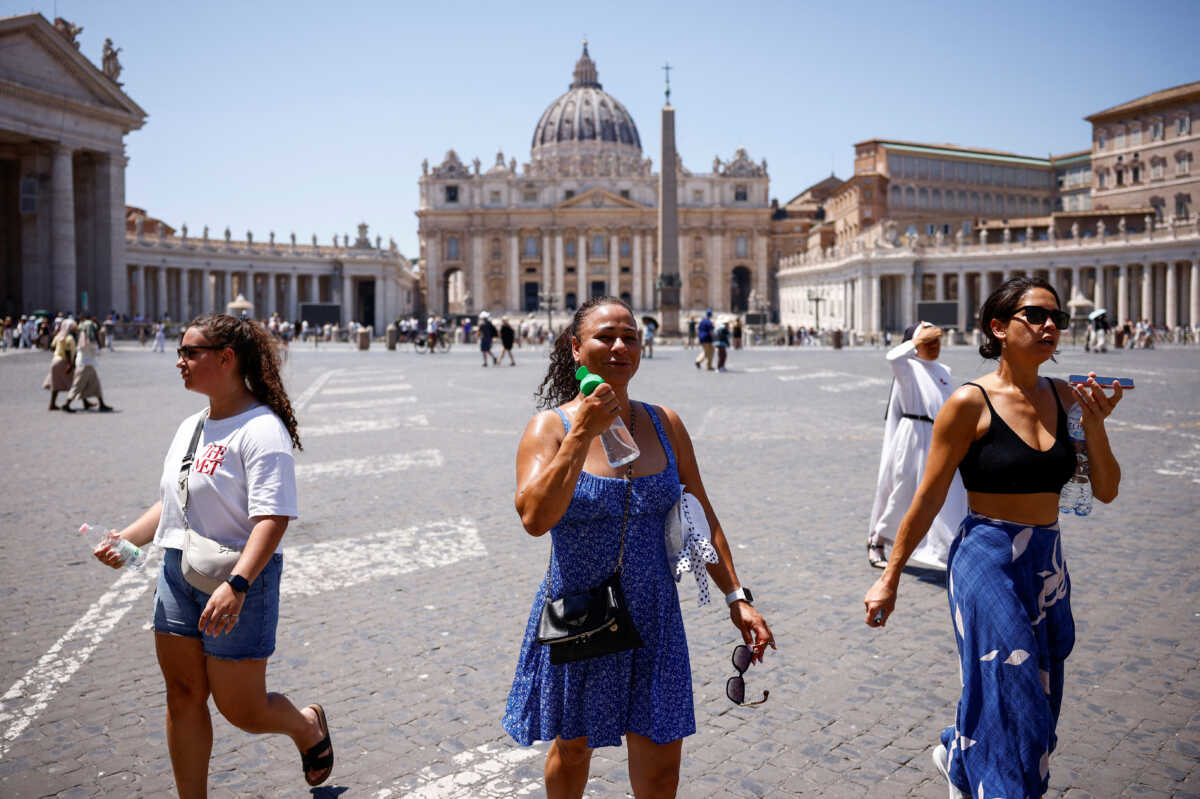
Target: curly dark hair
column 559, row 385
column 1002, row 304
column 258, row 361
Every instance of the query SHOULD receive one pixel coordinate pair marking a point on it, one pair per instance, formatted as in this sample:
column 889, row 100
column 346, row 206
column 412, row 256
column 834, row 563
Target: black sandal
column 875, row 555
column 312, row 760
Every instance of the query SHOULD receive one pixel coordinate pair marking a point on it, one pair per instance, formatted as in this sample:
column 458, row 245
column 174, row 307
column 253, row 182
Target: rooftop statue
column 69, row 30
column 109, row 62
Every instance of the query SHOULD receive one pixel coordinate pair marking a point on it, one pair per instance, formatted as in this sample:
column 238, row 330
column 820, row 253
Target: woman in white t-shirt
column 241, row 492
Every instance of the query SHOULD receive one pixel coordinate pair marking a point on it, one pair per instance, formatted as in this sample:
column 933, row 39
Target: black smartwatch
column 238, row 583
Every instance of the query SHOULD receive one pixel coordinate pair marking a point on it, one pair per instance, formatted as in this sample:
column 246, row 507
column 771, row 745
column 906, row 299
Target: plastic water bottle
column 1076, row 496
column 618, row 443
column 99, row 537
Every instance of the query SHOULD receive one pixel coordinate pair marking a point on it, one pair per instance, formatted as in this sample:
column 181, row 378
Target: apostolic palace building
column 579, row 218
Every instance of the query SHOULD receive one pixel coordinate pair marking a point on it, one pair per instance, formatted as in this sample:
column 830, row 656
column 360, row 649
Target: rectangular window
column 866, row 194
column 1101, row 140
column 597, row 247
column 494, row 198
column 531, row 246
column 972, row 173
column 1119, row 139
column 452, row 194
column 1156, row 130
column 698, row 196
column 866, row 213
column 741, row 248
column 626, row 248
column 960, row 170
column 740, row 194
column 570, row 248
column 1181, row 205
column 1183, row 126
column 1100, row 180
column 530, row 196
column 1120, row 173
column 1135, row 137
column 1135, row 174
column 1156, row 170
column 1184, row 165
column 625, row 194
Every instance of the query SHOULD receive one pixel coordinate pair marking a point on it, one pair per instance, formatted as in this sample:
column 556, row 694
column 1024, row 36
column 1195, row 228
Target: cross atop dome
column 585, row 72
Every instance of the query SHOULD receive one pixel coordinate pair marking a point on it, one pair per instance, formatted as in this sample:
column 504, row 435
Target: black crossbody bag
column 589, row 624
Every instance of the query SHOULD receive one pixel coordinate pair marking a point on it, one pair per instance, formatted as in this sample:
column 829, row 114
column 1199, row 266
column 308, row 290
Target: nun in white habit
column 921, row 386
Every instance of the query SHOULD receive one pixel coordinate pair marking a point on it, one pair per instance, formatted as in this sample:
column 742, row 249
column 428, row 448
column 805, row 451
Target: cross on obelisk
column 668, row 221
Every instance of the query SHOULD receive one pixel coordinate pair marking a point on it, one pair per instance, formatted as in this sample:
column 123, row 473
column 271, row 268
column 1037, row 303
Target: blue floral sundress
column 647, row 691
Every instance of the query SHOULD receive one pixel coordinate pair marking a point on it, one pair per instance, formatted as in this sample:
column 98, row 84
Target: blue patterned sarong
column 1010, row 601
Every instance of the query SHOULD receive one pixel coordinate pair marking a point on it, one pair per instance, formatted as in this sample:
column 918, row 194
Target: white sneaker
column 942, row 761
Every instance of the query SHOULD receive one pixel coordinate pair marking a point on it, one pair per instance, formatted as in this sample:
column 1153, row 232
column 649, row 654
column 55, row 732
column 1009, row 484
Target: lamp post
column 547, row 300
column 816, row 300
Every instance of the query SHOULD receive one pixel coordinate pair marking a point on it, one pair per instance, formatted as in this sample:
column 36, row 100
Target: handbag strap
column 186, row 465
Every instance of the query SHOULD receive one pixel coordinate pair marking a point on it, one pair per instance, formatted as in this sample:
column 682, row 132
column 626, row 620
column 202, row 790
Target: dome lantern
column 585, row 72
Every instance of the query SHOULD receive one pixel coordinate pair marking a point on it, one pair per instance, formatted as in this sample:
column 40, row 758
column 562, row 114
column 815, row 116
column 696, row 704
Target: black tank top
column 1001, row 463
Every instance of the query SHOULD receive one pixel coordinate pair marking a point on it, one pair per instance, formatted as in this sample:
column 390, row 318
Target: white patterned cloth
column 689, row 542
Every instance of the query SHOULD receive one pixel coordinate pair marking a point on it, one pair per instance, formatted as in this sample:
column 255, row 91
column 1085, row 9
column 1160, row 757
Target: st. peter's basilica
column 579, row 219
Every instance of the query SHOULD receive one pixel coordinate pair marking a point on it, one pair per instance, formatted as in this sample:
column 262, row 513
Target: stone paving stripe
column 855, row 385
column 822, row 374
column 479, row 772
column 311, row 391
column 33, row 692
column 361, row 405
column 371, row 389
column 373, row 466
column 334, row 565
column 365, row 426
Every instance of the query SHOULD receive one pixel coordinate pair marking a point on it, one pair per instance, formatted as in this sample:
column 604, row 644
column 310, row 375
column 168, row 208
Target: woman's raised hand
column 1095, row 403
column 595, row 413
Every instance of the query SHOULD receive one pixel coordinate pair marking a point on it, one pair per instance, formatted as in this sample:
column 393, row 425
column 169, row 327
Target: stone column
column 716, row 270
column 514, row 273
column 293, row 309
column 581, row 269
column 1098, row 293
column 614, row 265
column 206, row 290
column 62, row 230
column 113, row 216
column 1147, row 310
column 560, row 269
column 1194, row 294
column 142, row 306
column 1076, row 287
column 433, row 273
column 161, row 291
column 1172, row 298
column 939, row 287
column 547, row 275
column 350, row 302
column 638, row 302
column 876, row 294
column 761, row 266
column 477, row 283
column 908, row 307
column 1122, row 294
column 962, row 300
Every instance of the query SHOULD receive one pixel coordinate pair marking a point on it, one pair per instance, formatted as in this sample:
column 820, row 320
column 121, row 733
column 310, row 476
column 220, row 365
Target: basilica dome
column 585, row 119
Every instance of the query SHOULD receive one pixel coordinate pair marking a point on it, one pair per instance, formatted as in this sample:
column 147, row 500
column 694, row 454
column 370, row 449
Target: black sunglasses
column 735, row 687
column 188, row 351
column 1037, row 315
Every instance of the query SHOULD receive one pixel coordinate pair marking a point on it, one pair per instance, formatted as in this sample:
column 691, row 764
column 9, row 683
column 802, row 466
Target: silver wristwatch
column 739, row 594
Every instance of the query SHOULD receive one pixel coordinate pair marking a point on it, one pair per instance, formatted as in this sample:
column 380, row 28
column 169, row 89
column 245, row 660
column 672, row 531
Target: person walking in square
column 920, row 386
column 599, row 516
column 1008, row 587
column 86, row 382
column 704, row 334
column 722, row 343
column 487, row 334
column 62, row 364
column 240, row 492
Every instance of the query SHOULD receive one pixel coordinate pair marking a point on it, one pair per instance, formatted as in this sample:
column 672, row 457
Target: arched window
column 923, row 197
column 910, row 197
column 894, row 196
column 598, row 246
column 741, row 247
column 452, row 248
column 935, row 197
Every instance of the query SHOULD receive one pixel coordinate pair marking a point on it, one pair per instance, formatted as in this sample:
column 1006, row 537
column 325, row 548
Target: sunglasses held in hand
column 735, row 687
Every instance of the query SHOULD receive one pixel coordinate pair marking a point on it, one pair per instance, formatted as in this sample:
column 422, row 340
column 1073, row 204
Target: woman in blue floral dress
column 566, row 487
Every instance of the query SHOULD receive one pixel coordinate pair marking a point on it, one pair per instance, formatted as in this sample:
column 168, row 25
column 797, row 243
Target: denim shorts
column 177, row 609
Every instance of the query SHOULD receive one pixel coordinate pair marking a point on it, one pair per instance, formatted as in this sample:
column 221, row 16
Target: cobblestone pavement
column 409, row 580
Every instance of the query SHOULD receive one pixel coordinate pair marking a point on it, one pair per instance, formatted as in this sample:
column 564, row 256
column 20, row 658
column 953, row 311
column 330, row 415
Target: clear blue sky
column 314, row 116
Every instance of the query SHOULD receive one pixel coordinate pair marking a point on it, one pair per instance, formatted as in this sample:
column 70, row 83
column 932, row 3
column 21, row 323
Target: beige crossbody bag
column 205, row 563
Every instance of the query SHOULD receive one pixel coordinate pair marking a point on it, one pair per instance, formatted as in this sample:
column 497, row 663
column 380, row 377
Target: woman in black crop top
column 1008, row 586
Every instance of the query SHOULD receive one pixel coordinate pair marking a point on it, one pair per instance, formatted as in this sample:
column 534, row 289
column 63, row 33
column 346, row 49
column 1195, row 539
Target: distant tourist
column 62, row 364
column 507, row 336
column 722, row 343
column 704, row 333
column 86, row 382
column 487, row 334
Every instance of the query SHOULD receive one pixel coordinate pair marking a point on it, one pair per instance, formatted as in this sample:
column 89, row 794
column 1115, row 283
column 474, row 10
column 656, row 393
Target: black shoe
column 68, row 409
column 106, row 409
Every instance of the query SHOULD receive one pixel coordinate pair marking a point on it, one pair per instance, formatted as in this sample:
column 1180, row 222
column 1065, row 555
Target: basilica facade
column 579, row 219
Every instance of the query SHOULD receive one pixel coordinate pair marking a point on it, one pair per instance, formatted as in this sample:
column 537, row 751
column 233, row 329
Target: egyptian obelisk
column 668, row 222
